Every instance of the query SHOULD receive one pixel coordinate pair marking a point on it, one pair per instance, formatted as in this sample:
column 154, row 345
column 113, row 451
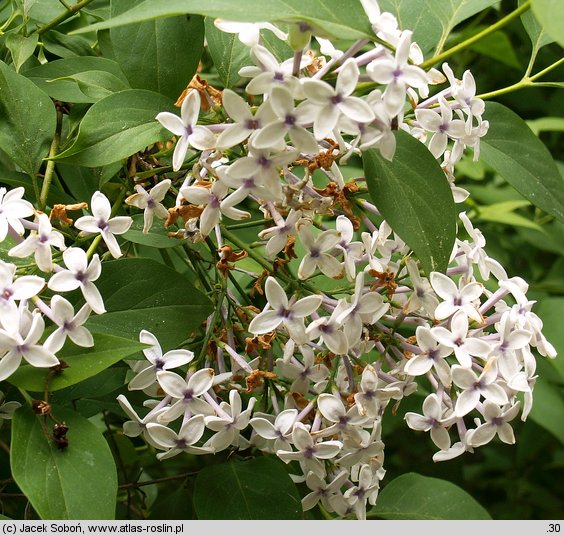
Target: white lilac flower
column 12, row 209
column 436, row 419
column 157, row 361
column 423, row 296
column 186, row 393
column 328, row 331
column 185, row 126
column 345, row 422
column 20, row 288
column 150, row 202
column 246, row 124
column 288, row 122
column 397, row 74
column 136, row 425
column 373, row 395
column 318, row 251
column 442, row 125
column 432, row 355
column 211, row 199
column 364, row 307
column 366, row 490
column 325, row 104
column 304, row 373
column 309, row 452
column 352, row 251
column 80, row 274
column 69, row 324
column 277, row 433
column 39, row 243
column 458, row 339
column 174, row 443
column 278, row 234
column 279, row 310
column 102, row 222
column 229, row 423
column 322, row 490
column 456, row 298
column 474, row 387
column 23, row 344
column 249, row 32
column 497, row 421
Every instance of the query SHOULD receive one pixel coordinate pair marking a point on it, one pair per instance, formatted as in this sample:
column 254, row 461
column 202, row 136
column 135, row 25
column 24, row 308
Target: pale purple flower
column 456, row 298
column 185, row 126
column 497, row 422
column 69, row 324
column 102, row 222
column 150, row 202
column 12, row 209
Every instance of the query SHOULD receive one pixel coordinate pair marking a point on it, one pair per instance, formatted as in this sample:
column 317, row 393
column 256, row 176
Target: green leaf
column 52, row 77
column 432, row 21
column 413, row 195
column 413, row 496
column 82, row 182
column 160, row 55
column 345, row 19
column 67, row 46
column 550, row 13
column 21, row 47
column 548, row 406
column 535, row 31
column 255, row 489
column 78, row 482
column 82, row 363
column 27, row 120
column 227, row 52
column 144, row 294
column 497, row 46
column 157, row 236
column 546, row 124
column 512, row 150
column 96, row 84
column 551, row 312
column 503, row 213
column 116, row 127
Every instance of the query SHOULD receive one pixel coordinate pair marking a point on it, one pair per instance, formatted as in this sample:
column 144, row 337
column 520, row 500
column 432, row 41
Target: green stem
column 50, row 167
column 480, row 35
column 526, row 81
column 241, row 245
column 71, row 10
column 246, row 224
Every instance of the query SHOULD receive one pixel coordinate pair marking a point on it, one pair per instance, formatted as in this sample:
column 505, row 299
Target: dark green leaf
column 117, row 127
column 157, row 236
column 433, row 20
column 66, row 46
column 21, row 47
column 413, row 496
column 550, row 13
column 413, row 195
column 498, row 47
column 522, row 159
column 78, row 482
column 27, row 120
column 345, row 19
column 15, row 179
column 96, row 84
column 255, row 489
column 160, row 55
column 539, row 38
column 227, row 52
column 82, row 182
column 144, row 294
column 82, row 363
column 51, row 77
column 551, row 312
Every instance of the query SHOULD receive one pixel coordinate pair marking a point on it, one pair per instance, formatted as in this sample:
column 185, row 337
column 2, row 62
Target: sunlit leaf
column 78, row 482
column 413, row 496
column 413, row 195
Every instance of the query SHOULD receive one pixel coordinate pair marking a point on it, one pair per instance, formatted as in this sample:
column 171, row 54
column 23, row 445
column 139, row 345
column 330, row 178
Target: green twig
column 471, row 40
column 50, row 167
column 71, row 10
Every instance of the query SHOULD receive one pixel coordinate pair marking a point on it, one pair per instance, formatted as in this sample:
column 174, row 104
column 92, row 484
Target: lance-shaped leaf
column 413, row 195
column 161, row 55
column 144, row 294
column 256, row 489
column 27, row 120
column 77, row 482
column 511, row 148
column 82, row 363
column 116, row 127
column 345, row 19
column 413, row 496
column 550, row 14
